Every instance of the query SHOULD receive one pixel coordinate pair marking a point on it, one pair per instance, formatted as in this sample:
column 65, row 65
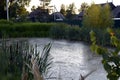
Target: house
column 57, row 16
column 116, row 12
column 79, row 16
column 39, row 14
column 112, row 6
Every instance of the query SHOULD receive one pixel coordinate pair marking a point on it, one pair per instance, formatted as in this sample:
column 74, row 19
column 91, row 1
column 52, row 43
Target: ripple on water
column 72, row 59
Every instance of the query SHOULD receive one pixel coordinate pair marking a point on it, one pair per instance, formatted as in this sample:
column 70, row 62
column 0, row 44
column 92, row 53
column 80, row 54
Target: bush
column 26, row 29
column 110, row 57
column 58, row 31
column 103, row 37
column 73, row 33
column 84, row 33
column 55, row 30
column 3, row 21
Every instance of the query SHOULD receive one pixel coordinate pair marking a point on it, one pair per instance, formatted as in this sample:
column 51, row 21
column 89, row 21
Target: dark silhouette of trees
column 40, row 15
column 70, row 12
column 62, row 10
column 2, row 9
column 45, row 3
column 84, row 6
column 14, row 7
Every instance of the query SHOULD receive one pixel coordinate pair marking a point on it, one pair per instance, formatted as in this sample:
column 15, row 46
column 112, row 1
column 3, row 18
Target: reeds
column 18, row 60
column 40, row 63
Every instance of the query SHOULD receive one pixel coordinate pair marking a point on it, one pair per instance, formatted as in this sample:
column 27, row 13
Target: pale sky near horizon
column 77, row 3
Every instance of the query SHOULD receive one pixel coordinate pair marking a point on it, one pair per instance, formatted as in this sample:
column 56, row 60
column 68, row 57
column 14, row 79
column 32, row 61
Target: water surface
column 72, row 59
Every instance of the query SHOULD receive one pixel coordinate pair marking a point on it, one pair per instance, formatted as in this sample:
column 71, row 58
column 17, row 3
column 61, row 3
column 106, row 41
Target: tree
column 40, row 14
column 84, row 6
column 96, row 16
column 92, row 16
column 22, row 11
column 70, row 12
column 71, row 8
column 2, row 9
column 17, row 12
column 17, row 5
column 106, row 16
column 33, row 8
column 45, row 3
column 13, row 10
column 13, row 6
column 62, row 10
column 20, row 2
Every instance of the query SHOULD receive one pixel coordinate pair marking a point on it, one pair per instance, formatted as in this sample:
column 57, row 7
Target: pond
column 72, row 59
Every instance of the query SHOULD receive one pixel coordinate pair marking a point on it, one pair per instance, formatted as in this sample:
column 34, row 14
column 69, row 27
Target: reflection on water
column 72, row 59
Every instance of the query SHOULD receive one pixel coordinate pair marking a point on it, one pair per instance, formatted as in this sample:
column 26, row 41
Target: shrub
column 11, row 60
column 3, row 21
column 103, row 37
column 110, row 58
column 73, row 33
column 26, row 29
column 84, row 33
column 58, row 31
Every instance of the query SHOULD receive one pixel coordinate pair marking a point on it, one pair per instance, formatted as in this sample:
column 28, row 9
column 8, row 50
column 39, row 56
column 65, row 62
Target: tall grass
column 58, row 31
column 11, row 60
column 55, row 31
column 40, row 63
column 19, row 61
column 26, row 29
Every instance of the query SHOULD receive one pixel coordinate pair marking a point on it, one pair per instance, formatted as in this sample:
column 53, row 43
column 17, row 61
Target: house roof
column 116, row 12
column 112, row 6
column 81, row 14
column 58, row 14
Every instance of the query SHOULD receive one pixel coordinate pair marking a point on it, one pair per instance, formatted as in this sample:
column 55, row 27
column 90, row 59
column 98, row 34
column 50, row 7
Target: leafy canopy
column 98, row 16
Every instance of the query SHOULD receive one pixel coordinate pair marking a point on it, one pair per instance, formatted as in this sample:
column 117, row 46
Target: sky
column 77, row 3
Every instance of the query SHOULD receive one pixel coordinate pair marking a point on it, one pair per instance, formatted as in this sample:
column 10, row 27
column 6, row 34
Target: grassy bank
column 26, row 29
column 54, row 30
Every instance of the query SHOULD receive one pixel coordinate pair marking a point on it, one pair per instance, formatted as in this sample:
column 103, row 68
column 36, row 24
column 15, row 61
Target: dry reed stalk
column 35, row 70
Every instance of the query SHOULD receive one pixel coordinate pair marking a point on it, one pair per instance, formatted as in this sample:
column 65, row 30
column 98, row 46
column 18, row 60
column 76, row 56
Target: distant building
column 57, row 16
column 112, row 6
column 40, row 15
column 80, row 16
column 116, row 12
